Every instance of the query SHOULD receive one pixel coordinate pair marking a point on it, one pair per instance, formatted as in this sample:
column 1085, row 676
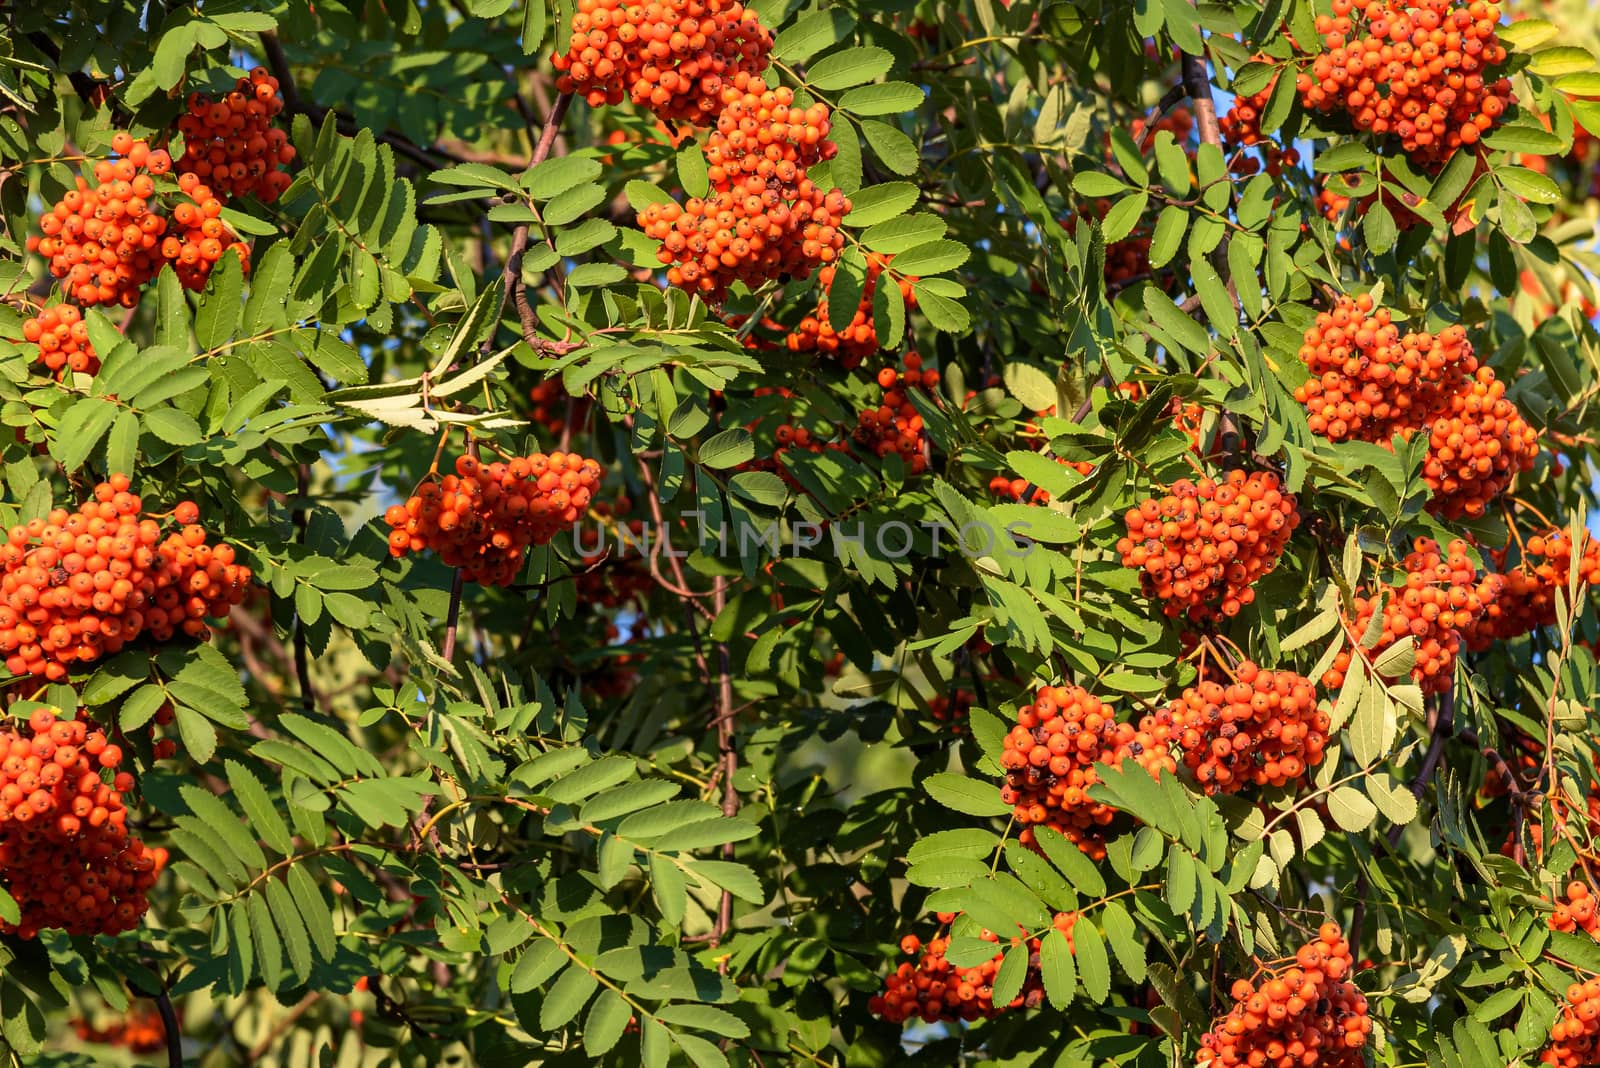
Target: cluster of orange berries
column 1477, row 448
column 1015, row 489
column 1442, row 598
column 1241, row 128
column 1128, row 260
column 1414, row 69
column 671, row 56
column 140, row 1030
column 555, row 409
column 1262, row 729
column 65, row 853
column 1178, row 121
column 483, row 517
column 1576, row 911
column 1200, row 548
column 1527, row 596
column 107, row 241
column 762, row 219
column 1575, row 1036
column 895, row 425
column 953, row 709
column 933, row 989
column 63, row 339
column 104, row 241
column 200, row 237
column 231, row 144
column 1370, row 380
column 1307, row 1014
column 859, row 339
column 1050, row 757
column 77, row 586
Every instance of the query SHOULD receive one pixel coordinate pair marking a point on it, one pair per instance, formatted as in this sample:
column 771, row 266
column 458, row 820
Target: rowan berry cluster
column 1370, row 381
column 555, row 409
column 1127, row 260
column 63, row 339
column 895, row 425
column 231, row 145
column 933, row 989
column 1016, row 489
column 1476, row 448
column 1305, row 1014
column 1200, row 548
column 199, row 237
column 1241, row 128
column 77, row 586
column 1442, row 597
column 139, row 1030
column 761, row 134
column 671, row 56
column 1414, row 69
column 1575, row 1036
column 1576, row 911
column 483, row 517
column 107, row 241
column 104, row 241
column 953, row 709
column 781, row 232
column 65, row 853
column 1262, row 729
column 1050, row 757
column 1527, row 597
column 858, row 339
column 1178, row 121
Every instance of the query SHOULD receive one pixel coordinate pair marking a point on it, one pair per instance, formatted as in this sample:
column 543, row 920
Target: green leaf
column 258, row 807
column 730, row 448
column 975, row 797
column 811, row 34
column 891, row 145
column 1094, row 968
column 566, row 997
column 692, row 171
column 886, row 98
column 220, row 304
column 173, row 426
column 932, row 258
column 1351, row 809
column 880, row 203
column 537, row 964
column 552, row 177
column 1057, row 969
column 1121, row 932
column 608, row 1018
column 849, row 67
column 81, row 429
column 704, row 1018
column 1070, row 861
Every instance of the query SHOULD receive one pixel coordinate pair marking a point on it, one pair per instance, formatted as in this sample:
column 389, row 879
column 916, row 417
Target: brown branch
column 728, row 763
column 302, row 657
column 262, row 1048
column 1197, row 84
column 516, row 293
column 295, row 104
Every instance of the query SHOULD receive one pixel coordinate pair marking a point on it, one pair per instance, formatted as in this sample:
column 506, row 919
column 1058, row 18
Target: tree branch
column 516, row 293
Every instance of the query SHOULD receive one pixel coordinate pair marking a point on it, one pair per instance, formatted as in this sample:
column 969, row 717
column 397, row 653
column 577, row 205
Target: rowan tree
column 701, row 533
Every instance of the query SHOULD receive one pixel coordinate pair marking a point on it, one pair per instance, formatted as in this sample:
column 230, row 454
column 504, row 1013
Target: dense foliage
column 814, row 533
